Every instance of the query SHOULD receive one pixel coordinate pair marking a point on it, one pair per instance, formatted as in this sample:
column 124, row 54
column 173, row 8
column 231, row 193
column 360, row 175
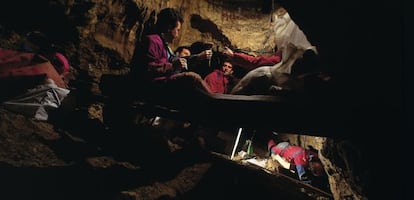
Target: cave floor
column 40, row 160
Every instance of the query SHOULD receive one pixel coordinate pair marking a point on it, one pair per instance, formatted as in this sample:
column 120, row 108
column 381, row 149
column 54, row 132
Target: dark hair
column 167, row 19
column 227, row 60
column 181, row 48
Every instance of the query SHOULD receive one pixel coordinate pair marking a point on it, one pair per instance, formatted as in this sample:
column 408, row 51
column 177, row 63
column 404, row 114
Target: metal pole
column 236, row 143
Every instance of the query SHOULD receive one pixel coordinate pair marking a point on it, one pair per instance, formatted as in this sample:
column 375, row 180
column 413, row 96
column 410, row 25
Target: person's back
column 153, row 62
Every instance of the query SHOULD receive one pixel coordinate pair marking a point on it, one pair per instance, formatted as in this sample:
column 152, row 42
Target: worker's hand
column 206, row 54
column 180, row 64
column 228, row 52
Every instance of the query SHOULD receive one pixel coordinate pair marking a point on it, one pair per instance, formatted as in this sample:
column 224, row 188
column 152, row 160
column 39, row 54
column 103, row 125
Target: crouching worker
column 296, row 158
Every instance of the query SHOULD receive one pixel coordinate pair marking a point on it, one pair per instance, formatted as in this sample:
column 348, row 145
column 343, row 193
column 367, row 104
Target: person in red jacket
column 301, row 159
column 249, row 62
column 221, row 80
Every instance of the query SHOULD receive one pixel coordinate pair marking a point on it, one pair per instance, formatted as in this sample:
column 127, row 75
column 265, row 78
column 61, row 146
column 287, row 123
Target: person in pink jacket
column 154, row 61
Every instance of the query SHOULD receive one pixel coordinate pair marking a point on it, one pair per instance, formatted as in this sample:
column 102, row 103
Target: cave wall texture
column 362, row 48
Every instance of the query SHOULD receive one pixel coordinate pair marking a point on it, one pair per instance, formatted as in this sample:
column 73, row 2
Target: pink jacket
column 217, row 81
column 154, row 58
column 294, row 154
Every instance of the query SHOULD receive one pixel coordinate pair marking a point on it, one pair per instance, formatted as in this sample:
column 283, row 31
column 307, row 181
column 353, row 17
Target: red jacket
column 294, row 154
column 152, row 60
column 217, row 81
column 251, row 62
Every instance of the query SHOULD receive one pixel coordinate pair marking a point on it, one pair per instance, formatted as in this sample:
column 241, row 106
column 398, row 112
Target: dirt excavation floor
column 75, row 157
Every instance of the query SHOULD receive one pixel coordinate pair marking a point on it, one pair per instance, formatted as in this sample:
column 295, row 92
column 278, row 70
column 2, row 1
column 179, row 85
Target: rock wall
column 99, row 36
column 103, row 34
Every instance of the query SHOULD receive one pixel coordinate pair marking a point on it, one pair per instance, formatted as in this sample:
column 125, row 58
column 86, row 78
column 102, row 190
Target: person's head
column 227, row 68
column 183, row 51
column 168, row 23
column 316, row 168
